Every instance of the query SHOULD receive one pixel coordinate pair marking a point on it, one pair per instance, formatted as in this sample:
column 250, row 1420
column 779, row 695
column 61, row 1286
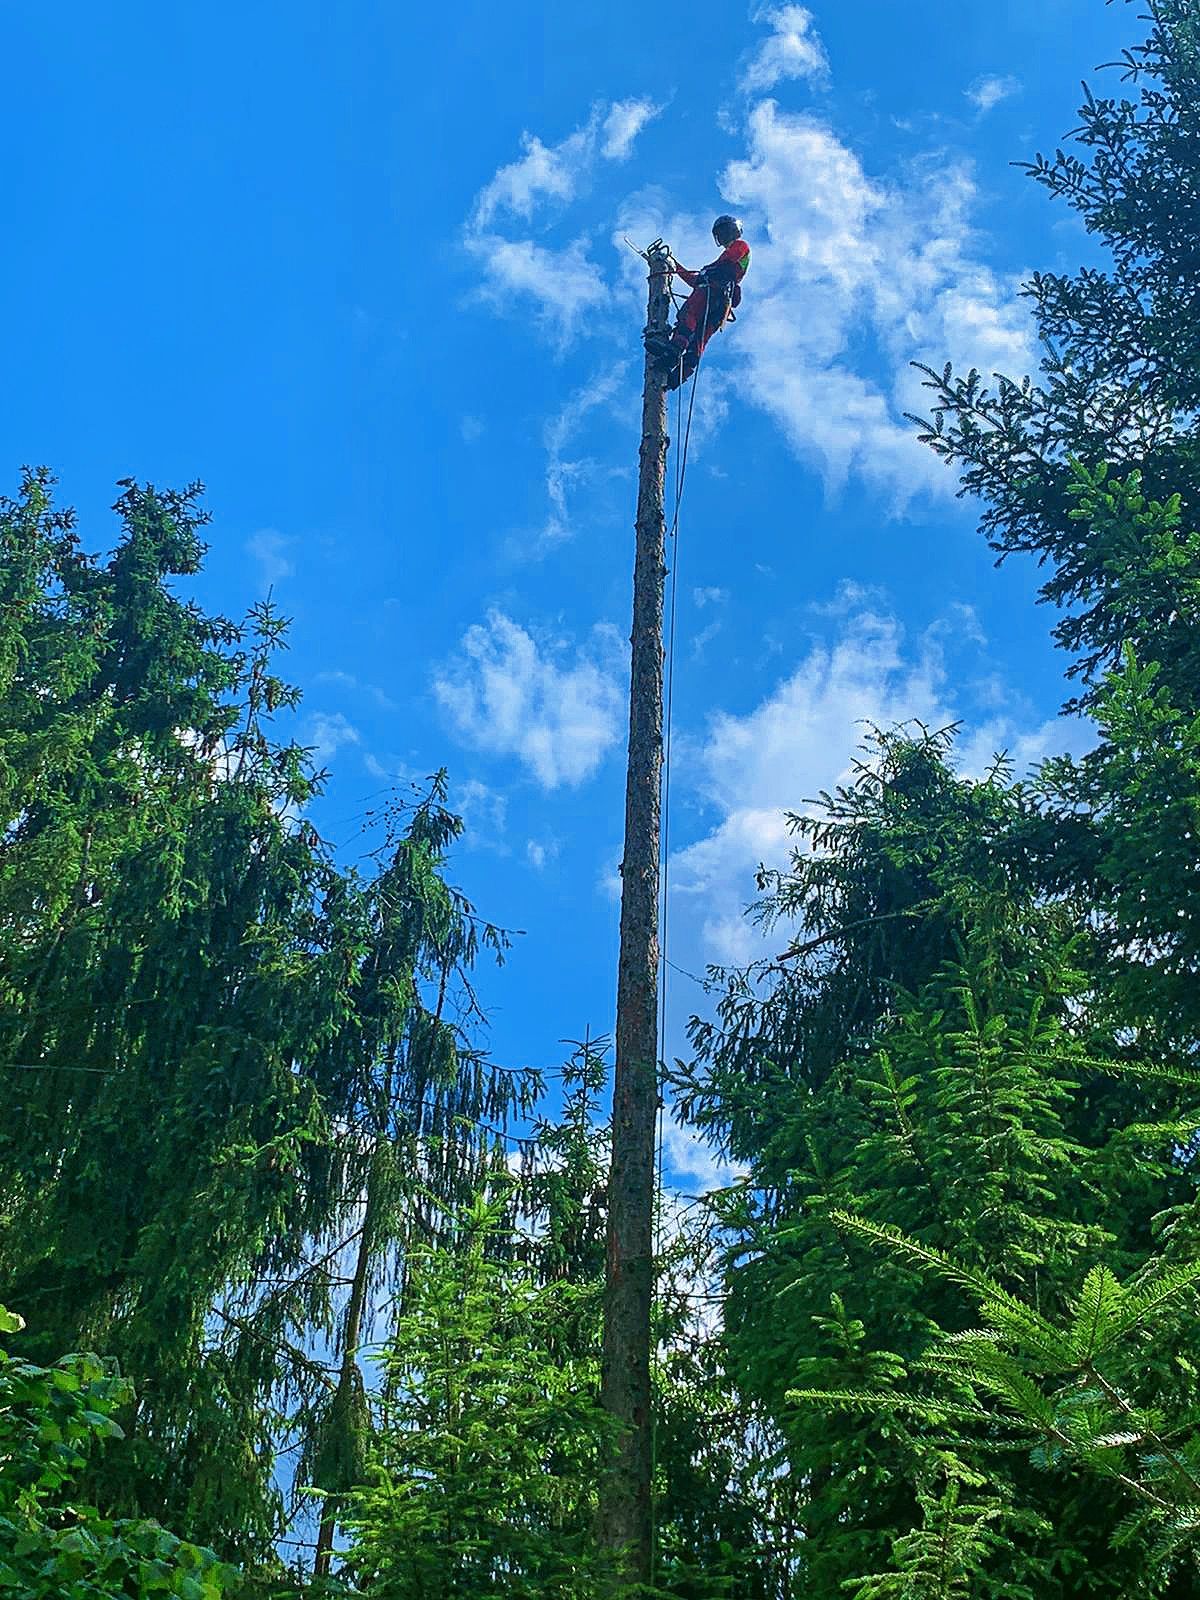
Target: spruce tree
column 218, row 1045
column 983, row 1032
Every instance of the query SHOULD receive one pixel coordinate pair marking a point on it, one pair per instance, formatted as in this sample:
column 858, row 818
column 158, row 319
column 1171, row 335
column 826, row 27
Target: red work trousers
column 701, row 314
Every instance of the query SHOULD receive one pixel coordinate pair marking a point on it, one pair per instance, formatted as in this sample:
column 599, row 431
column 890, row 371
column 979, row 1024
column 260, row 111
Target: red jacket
column 729, row 267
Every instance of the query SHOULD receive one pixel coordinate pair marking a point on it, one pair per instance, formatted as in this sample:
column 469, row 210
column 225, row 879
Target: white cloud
column 563, row 472
column 537, row 853
column 691, row 1160
column 792, row 51
column 801, row 739
column 543, row 172
column 558, row 172
column 709, row 596
column 347, row 680
column 976, row 751
column 563, row 285
column 561, row 281
column 387, row 771
column 987, row 91
column 840, row 259
column 471, row 428
column 625, row 120
column 511, row 695
column 959, row 622
column 852, row 277
column 328, row 733
column 484, row 812
column 269, row 548
column 704, row 638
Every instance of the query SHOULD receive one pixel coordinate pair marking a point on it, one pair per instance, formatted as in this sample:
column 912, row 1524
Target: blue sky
column 359, row 269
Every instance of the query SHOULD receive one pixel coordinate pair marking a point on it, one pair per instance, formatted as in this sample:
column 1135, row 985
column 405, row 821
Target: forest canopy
column 304, row 1287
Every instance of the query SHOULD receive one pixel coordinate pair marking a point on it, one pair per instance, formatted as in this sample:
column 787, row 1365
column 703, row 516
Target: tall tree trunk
column 350, row 1343
column 625, row 1520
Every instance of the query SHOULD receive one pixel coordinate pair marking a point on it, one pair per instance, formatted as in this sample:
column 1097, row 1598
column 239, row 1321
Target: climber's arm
column 689, row 277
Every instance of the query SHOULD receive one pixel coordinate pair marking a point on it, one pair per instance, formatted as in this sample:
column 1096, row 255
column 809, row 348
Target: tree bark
column 351, row 1339
column 626, row 1518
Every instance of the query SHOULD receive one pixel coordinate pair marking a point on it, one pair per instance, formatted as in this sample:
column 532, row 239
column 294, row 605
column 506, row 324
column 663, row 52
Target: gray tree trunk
column 351, row 1339
column 626, row 1519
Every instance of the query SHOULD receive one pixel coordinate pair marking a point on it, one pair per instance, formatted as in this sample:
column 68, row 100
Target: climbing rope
column 681, row 458
column 681, row 455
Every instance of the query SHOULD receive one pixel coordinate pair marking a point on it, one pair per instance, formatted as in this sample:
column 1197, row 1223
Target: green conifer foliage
column 217, row 1045
column 982, row 1037
column 483, row 1471
column 923, row 1058
column 1119, row 380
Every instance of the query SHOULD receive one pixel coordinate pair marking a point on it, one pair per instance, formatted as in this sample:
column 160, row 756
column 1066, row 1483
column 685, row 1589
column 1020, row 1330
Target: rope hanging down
column 681, row 456
column 681, row 459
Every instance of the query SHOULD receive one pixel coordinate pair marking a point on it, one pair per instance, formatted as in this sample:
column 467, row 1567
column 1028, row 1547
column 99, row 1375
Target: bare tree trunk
column 626, row 1520
column 350, row 1343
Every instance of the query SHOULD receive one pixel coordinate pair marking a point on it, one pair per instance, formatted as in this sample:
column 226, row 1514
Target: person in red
column 716, row 290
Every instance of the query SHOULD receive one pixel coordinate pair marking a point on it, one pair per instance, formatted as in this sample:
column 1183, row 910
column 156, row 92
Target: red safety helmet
column 726, row 229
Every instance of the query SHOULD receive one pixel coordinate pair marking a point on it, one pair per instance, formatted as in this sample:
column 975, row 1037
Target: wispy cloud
column 327, row 733
column 269, row 548
column 793, row 50
column 563, row 285
column 691, row 1160
column 563, row 472
column 484, row 813
column 562, row 282
column 544, row 172
column 853, row 278
column 356, row 686
column 625, row 120
column 556, row 708
column 986, row 92
column 539, row 852
column 558, row 172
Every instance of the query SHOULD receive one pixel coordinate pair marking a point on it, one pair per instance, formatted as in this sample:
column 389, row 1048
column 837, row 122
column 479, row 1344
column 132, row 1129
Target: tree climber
column 716, row 290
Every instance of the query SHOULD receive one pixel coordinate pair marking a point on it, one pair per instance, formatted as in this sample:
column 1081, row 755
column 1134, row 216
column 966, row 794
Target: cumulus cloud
column 793, row 50
column 987, row 91
column 557, row 710
column 840, row 260
column 801, row 739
